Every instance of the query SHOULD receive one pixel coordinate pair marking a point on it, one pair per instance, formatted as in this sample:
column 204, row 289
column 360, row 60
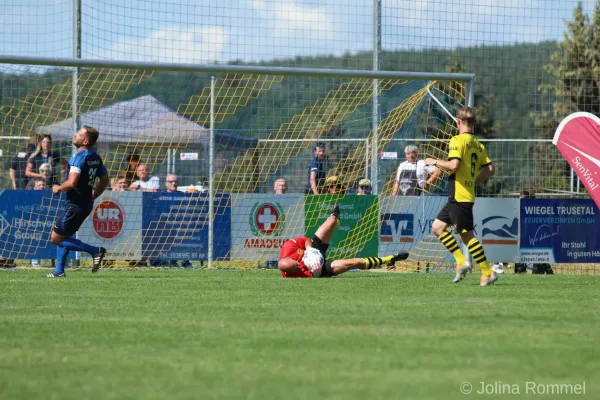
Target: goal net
column 222, row 141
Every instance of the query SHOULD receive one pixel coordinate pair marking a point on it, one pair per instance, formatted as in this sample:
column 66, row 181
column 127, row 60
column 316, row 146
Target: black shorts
column 326, row 271
column 459, row 215
column 71, row 219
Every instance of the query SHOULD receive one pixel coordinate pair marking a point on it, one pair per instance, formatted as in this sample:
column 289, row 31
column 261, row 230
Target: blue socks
column 62, row 255
column 77, row 245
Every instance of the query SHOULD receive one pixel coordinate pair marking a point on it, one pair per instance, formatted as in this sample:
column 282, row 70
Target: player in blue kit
column 81, row 188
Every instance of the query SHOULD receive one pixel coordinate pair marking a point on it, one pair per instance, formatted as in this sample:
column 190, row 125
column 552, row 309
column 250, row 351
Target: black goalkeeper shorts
column 326, row 271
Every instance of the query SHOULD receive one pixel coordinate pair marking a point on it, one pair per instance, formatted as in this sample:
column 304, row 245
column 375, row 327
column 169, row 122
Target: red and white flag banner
column 578, row 139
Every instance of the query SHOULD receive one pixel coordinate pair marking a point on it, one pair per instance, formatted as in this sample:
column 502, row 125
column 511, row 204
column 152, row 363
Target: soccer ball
column 313, row 259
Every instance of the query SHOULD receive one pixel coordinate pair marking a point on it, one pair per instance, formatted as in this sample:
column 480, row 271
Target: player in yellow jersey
column 468, row 165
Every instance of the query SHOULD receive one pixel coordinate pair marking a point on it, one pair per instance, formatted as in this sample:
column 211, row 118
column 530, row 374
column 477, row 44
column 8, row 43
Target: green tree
column 576, row 87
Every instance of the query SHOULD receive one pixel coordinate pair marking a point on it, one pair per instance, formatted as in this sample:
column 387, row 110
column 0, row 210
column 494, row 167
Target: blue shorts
column 70, row 220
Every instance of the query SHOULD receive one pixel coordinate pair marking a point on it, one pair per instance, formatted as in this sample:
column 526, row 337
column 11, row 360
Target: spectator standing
column 18, row 164
column 44, row 155
column 119, row 184
column 412, row 175
column 145, row 183
column 280, row 186
column 317, row 171
column 133, row 161
column 364, row 187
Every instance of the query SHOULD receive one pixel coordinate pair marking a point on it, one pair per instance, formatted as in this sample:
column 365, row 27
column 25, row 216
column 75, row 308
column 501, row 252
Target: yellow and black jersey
column 472, row 155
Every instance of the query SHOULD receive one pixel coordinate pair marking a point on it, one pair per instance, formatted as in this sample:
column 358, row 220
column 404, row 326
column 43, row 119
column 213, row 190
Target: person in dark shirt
column 44, row 155
column 317, row 171
column 81, row 188
column 133, row 160
column 18, row 165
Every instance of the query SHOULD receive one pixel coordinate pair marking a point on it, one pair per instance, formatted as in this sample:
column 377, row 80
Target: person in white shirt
column 412, row 176
column 146, row 183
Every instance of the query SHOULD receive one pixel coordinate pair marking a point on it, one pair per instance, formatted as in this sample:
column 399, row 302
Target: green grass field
column 252, row 335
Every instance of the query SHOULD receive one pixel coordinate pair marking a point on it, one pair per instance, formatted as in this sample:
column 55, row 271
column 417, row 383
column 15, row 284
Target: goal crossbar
column 159, row 66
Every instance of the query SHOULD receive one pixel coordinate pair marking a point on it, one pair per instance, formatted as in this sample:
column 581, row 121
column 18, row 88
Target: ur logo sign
column 108, row 219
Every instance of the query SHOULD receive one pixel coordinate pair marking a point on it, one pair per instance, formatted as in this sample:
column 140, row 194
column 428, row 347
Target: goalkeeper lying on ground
column 305, row 258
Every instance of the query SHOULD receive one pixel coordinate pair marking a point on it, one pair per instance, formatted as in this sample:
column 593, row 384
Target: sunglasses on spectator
column 365, row 187
column 172, row 181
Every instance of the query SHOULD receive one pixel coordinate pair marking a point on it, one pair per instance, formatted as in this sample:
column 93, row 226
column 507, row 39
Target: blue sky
column 203, row 31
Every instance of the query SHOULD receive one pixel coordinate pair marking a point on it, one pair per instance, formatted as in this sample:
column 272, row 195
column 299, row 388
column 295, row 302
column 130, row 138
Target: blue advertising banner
column 562, row 231
column 175, row 226
column 26, row 219
column 405, row 224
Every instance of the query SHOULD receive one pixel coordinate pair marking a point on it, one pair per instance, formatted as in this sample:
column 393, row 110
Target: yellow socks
column 476, row 251
column 451, row 244
column 376, row 261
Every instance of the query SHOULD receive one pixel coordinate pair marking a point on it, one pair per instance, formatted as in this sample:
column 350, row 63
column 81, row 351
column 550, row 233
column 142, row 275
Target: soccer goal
column 226, row 134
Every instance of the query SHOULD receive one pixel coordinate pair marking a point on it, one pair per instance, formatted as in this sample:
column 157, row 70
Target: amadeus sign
column 262, row 223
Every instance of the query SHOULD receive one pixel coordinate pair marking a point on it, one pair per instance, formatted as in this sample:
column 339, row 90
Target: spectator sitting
column 37, row 184
column 43, row 155
column 280, row 186
column 364, row 187
column 172, row 183
column 334, row 185
column 46, row 172
column 119, row 184
column 19, row 164
column 146, row 183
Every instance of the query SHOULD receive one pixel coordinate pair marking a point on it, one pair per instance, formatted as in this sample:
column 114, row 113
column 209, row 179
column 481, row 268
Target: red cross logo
column 267, row 218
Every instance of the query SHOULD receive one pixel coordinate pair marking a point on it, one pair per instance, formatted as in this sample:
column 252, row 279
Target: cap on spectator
column 364, row 182
column 332, row 180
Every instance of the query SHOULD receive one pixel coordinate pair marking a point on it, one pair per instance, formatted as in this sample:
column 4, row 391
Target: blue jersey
column 319, row 166
column 88, row 164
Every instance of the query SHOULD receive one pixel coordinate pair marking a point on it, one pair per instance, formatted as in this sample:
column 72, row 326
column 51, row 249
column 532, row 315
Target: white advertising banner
column 497, row 227
column 116, row 224
column 261, row 223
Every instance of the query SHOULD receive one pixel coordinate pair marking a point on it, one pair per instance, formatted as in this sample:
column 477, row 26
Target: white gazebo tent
column 143, row 121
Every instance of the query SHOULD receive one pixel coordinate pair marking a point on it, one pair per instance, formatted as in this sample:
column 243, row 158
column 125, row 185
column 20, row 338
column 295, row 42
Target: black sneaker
column 98, row 259
column 336, row 211
column 53, row 275
column 403, row 255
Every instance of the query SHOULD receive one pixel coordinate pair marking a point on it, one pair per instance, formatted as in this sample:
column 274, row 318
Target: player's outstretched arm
column 450, row 165
column 100, row 187
column 432, row 180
